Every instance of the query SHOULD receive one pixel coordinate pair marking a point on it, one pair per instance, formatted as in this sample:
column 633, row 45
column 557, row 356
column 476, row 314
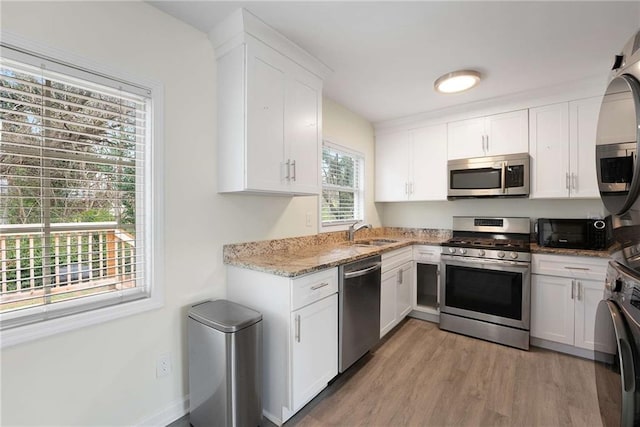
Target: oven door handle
column 503, row 177
column 485, row 261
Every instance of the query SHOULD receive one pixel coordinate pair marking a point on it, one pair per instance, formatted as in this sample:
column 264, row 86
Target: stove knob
column 513, row 255
column 452, row 250
column 463, row 251
column 500, row 254
column 481, row 252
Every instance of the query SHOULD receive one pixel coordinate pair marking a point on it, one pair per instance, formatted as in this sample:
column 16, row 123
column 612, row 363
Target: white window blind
column 72, row 190
column 342, row 199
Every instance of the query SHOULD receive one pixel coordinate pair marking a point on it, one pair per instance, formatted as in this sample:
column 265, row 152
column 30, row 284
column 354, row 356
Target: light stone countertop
column 298, row 256
column 303, row 255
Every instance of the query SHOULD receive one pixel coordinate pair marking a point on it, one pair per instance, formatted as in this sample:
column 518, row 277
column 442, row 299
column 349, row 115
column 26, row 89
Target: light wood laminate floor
column 421, row 376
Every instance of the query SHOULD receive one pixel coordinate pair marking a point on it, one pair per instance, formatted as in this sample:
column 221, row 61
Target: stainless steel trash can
column 225, row 365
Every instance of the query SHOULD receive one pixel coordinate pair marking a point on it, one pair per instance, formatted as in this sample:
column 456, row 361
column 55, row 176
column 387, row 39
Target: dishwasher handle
column 362, row 272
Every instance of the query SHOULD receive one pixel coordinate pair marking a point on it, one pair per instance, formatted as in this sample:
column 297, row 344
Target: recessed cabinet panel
column 302, row 125
column 392, row 163
column 549, row 150
column 265, row 133
column 583, row 122
column 465, row 139
column 314, row 340
column 428, row 163
column 552, row 309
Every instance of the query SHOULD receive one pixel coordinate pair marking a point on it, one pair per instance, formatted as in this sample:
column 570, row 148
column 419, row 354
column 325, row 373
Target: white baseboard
column 172, row 412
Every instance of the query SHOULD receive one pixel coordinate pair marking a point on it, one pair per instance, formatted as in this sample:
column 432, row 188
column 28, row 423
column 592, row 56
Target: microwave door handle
column 503, row 177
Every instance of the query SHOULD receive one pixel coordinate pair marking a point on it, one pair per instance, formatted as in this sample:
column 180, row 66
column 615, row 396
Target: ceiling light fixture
column 457, row 81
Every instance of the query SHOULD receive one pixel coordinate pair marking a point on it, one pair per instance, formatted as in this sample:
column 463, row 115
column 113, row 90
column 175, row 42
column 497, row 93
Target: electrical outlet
column 163, row 365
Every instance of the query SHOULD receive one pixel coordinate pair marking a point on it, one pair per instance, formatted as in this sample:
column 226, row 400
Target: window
column 342, row 193
column 75, row 192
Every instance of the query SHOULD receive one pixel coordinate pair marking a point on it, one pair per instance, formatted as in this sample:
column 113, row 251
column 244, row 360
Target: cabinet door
column 549, row 151
column 507, row 133
column 302, row 139
column 465, row 139
column 589, row 294
column 403, row 291
column 388, row 289
column 314, row 359
column 552, row 309
column 583, row 122
column 265, row 116
column 392, row 161
column 428, row 159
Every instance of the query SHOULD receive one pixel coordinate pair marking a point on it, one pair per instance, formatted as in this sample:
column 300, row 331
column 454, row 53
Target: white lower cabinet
column 395, row 288
column 300, row 334
column 565, row 291
column 314, row 338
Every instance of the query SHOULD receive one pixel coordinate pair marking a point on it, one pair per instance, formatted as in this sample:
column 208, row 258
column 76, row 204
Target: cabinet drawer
column 396, row 258
column 313, row 287
column 426, row 253
column 569, row 266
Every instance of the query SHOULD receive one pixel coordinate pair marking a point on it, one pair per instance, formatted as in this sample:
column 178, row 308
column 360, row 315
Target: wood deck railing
column 81, row 256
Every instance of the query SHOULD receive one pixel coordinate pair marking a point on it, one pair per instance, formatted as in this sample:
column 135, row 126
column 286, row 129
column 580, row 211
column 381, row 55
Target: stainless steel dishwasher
column 359, row 309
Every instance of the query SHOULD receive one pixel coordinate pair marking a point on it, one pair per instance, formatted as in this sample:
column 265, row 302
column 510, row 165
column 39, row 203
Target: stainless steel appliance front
column 359, row 309
column 496, row 176
column 486, row 280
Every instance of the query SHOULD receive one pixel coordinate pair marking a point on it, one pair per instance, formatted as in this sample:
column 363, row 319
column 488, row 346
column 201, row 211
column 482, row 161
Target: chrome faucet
column 353, row 228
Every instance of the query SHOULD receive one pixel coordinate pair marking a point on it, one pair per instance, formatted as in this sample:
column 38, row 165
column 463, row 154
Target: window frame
column 359, row 198
column 153, row 254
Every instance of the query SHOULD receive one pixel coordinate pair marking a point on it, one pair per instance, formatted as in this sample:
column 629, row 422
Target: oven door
column 490, row 290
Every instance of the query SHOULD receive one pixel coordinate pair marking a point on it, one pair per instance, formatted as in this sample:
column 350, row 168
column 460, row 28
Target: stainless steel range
column 486, row 290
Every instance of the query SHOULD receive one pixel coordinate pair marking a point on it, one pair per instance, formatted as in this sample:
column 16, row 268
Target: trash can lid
column 223, row 315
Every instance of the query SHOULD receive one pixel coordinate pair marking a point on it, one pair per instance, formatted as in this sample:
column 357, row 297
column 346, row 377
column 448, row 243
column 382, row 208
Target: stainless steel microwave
column 495, row 176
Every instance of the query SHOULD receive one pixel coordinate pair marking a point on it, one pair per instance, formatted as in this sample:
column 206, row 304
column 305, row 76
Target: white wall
column 105, row 374
column 439, row 214
column 344, row 127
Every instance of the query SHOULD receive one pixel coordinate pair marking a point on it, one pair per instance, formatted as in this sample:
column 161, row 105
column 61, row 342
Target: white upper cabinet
column 562, row 149
column 428, row 163
column 494, row 135
column 412, row 165
column 269, row 94
column 583, row 125
column 392, row 167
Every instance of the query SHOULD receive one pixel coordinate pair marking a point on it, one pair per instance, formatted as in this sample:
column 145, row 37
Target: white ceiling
column 386, row 55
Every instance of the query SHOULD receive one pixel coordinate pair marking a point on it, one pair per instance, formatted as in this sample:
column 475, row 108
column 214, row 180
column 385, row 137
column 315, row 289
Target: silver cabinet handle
column 487, row 149
column 580, row 294
column 399, row 277
column 406, row 188
column 574, row 179
column 411, row 188
column 573, row 287
column 318, row 286
column 578, row 268
column 483, row 149
column 288, row 175
column 566, row 180
column 298, row 327
column 293, row 165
